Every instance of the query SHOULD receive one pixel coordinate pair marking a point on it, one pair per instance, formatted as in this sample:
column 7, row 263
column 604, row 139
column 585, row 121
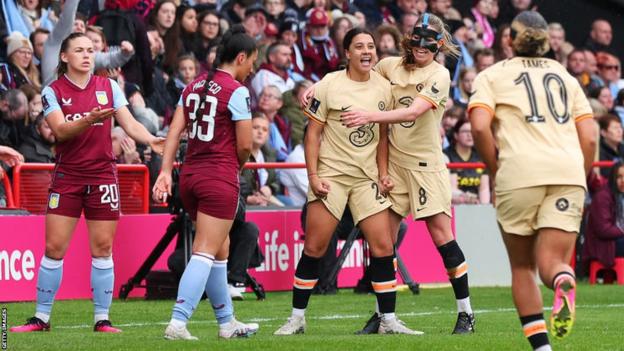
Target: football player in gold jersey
column 342, row 168
column 416, row 166
column 539, row 155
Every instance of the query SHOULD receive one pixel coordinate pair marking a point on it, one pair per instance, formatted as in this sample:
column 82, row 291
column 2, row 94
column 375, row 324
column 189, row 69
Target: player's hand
column 126, row 48
column 355, row 118
column 385, row 185
column 9, row 156
column 158, row 145
column 320, row 187
column 162, row 187
column 304, row 99
column 98, row 115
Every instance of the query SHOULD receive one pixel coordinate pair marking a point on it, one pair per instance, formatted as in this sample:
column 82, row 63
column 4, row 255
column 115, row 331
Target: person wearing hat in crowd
column 318, row 49
column 275, row 70
column 20, row 69
column 289, row 34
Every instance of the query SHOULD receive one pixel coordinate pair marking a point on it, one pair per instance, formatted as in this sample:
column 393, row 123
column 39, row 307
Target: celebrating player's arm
column 67, row 129
column 316, row 113
column 134, row 129
column 433, row 95
column 385, row 182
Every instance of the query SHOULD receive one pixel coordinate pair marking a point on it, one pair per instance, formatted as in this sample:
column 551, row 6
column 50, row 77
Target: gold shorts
column 524, row 211
column 424, row 193
column 362, row 196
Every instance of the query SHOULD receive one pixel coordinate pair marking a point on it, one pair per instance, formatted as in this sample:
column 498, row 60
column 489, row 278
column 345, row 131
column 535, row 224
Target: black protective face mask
column 425, row 33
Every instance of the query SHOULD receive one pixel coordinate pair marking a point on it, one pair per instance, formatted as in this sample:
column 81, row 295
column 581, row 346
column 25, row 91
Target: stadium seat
column 595, row 266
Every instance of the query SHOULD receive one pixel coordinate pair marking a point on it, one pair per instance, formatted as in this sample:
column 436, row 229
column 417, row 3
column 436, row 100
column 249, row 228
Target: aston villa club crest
column 102, row 98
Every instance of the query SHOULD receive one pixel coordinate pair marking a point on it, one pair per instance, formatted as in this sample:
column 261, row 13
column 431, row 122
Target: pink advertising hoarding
column 22, row 246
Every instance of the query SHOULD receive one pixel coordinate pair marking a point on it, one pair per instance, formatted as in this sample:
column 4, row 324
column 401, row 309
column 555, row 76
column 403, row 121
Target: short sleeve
column 119, row 98
column 382, row 67
column 240, row 104
column 436, row 89
column 317, row 108
column 180, row 102
column 580, row 105
column 482, row 94
column 49, row 101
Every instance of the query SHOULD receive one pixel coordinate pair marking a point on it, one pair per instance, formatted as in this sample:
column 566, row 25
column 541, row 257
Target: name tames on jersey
column 202, row 128
column 554, row 88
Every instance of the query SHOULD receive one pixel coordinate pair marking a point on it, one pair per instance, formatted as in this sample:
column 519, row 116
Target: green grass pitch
column 332, row 319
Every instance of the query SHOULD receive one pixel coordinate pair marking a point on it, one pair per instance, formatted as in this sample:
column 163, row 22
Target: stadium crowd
column 154, row 49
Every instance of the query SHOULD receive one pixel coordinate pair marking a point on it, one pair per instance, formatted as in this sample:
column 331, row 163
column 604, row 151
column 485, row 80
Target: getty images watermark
column 3, row 327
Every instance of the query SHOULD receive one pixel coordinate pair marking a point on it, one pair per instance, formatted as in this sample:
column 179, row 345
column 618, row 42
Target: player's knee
column 315, row 250
column 55, row 251
column 382, row 248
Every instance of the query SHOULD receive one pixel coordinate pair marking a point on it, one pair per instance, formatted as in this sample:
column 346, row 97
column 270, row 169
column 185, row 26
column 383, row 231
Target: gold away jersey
column 535, row 103
column 345, row 150
column 416, row 145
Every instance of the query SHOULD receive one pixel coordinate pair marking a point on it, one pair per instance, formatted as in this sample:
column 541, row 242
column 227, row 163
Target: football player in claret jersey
column 78, row 107
column 342, row 168
column 416, row 167
column 539, row 157
column 215, row 110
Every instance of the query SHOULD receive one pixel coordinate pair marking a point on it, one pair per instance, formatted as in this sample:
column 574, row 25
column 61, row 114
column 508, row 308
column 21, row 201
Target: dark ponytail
column 232, row 43
column 61, row 69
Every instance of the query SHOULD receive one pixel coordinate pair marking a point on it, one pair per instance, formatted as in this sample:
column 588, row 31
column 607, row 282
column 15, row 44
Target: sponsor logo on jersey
column 66, row 102
column 362, row 136
column 434, row 89
column 54, row 200
column 101, row 97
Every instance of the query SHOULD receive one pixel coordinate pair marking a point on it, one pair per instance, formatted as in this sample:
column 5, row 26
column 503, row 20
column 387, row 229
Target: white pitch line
column 341, row 316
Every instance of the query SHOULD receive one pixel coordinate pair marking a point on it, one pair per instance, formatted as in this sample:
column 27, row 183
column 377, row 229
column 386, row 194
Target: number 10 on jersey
column 202, row 128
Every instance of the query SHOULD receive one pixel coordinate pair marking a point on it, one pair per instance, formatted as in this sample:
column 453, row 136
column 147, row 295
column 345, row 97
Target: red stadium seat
column 596, row 266
column 32, row 180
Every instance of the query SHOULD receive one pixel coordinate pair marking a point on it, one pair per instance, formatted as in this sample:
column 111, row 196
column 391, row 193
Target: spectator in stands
column 13, row 108
column 270, row 102
column 35, row 15
column 163, row 18
column 209, row 32
column 255, row 22
column 407, row 22
column 187, row 69
column 469, row 185
column 295, row 180
column 35, row 107
column 262, row 183
column 600, row 36
column 511, row 8
column 603, row 95
column 611, row 146
column 21, row 69
column 291, row 110
column 235, row 10
column 559, row 47
column 444, row 9
column 402, row 7
column 619, row 105
column 37, row 38
column 604, row 237
column 124, row 147
column 461, row 93
column 502, row 47
column 275, row 11
column 388, row 40
column 141, row 112
column 186, row 16
column 275, row 70
column 610, row 71
column 339, row 28
column 480, row 13
column 577, row 67
column 37, row 146
column 289, row 34
column 319, row 52
column 484, row 58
